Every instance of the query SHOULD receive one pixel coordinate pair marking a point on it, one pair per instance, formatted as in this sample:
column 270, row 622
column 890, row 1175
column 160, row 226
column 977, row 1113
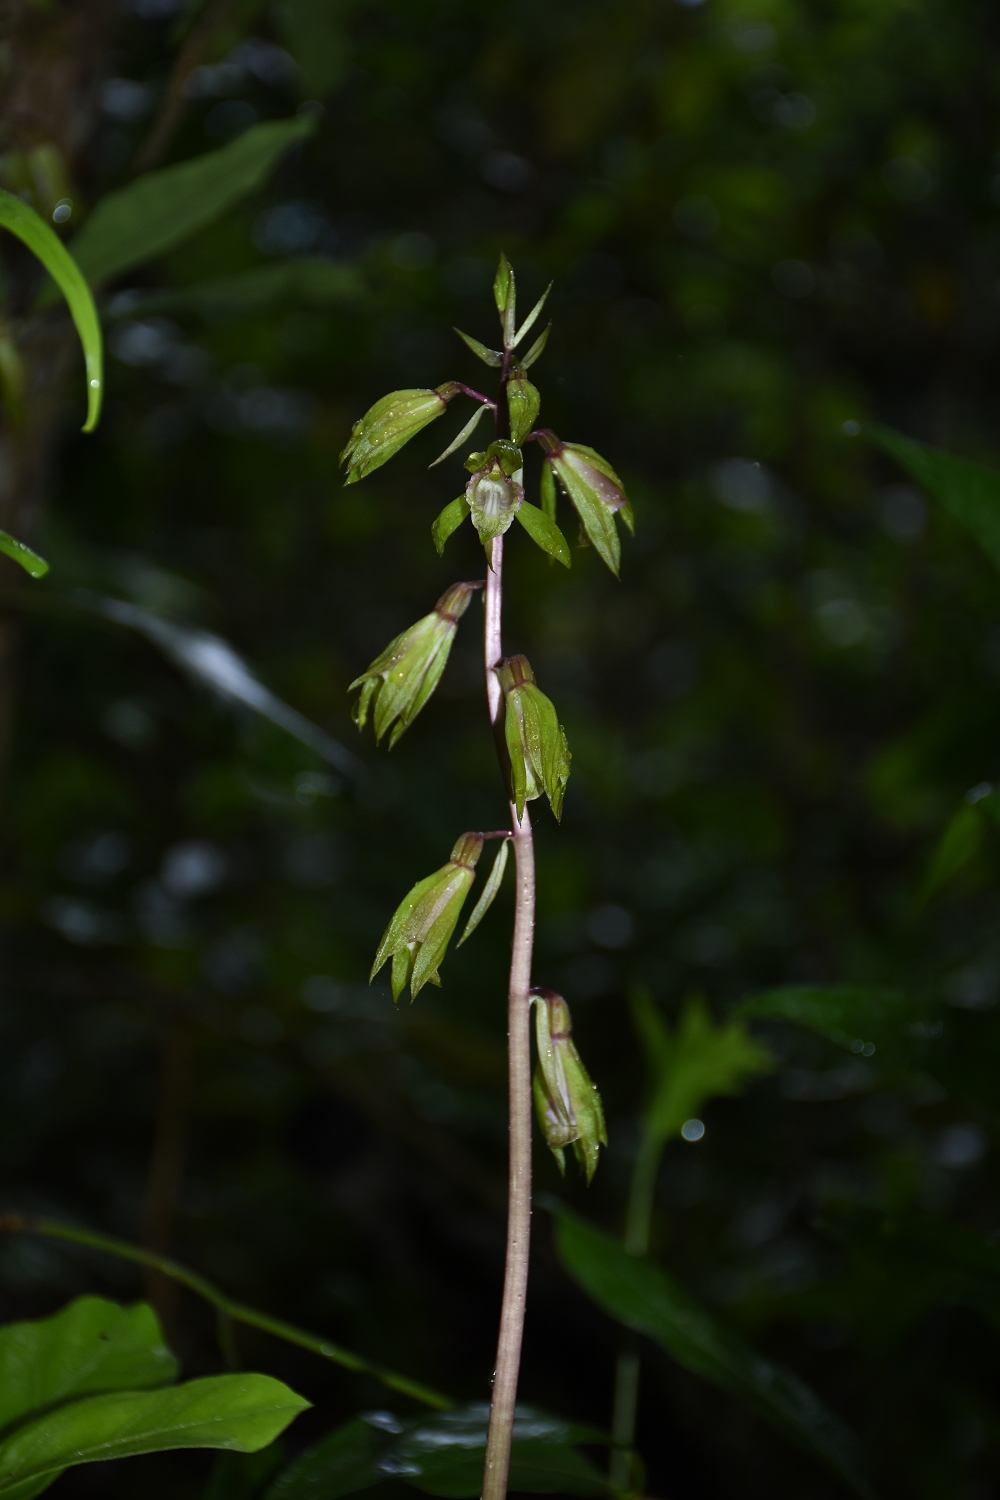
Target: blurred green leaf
column 243, row 1476
column 317, row 283
column 245, row 1412
column 960, row 842
column 89, row 1346
column 694, row 1062
column 968, row 491
column 70, row 278
column 22, row 554
column 315, row 32
column 647, row 1300
column 846, row 1014
column 340, row 1464
column 161, row 209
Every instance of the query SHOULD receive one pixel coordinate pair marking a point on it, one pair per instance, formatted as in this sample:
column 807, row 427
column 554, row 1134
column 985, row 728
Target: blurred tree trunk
column 54, row 54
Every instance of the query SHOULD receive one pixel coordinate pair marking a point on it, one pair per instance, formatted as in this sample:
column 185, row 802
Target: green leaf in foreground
column 22, row 554
column 968, row 491
column 245, row 1412
column 545, row 533
column 644, row 1298
column 88, row 1347
column 33, row 231
column 160, row 209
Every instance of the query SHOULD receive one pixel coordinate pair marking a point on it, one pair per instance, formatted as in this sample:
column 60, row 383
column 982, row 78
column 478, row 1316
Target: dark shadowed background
column 765, row 219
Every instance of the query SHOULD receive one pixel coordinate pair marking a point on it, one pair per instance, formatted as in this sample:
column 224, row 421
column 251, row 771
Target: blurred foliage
column 763, row 223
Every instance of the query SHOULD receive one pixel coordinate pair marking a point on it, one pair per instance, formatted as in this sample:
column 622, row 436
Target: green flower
column 596, row 492
column 536, row 741
column 494, row 499
column 417, row 938
column 567, row 1104
column 399, row 682
column 390, row 423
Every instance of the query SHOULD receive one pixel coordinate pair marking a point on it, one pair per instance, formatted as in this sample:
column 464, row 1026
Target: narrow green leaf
column 448, row 521
column 505, row 296
column 532, row 317
column 89, row 1346
column 161, row 209
column 537, row 348
column 245, row 1412
column 341, row 1464
column 33, row 231
column 644, row 1298
column 489, row 894
column 547, row 490
column 968, row 491
column 491, row 357
column 29, row 561
column 466, row 432
column 545, row 533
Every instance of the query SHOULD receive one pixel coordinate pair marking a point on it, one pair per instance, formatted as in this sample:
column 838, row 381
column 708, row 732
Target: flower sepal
column 536, row 741
column 390, row 423
column 399, row 681
column 417, row 938
column 567, row 1103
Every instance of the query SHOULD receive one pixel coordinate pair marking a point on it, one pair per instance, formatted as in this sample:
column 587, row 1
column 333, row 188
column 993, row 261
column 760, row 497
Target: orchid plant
column 534, row 761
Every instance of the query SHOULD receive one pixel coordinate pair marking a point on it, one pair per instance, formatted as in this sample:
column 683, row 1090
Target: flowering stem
column 476, row 395
column 515, row 1284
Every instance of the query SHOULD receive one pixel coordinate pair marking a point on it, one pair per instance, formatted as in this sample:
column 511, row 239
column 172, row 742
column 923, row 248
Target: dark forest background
column 765, row 219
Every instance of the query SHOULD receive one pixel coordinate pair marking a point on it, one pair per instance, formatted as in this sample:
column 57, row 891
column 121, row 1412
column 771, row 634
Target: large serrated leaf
column 161, row 209
column 644, row 1298
column 244, row 1412
column 89, row 1347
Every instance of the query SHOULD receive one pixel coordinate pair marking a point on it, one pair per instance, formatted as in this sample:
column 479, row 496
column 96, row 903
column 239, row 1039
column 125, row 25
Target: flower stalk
column 534, row 760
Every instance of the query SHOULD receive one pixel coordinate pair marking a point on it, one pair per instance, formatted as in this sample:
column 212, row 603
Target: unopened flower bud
column 567, row 1103
column 417, row 938
column 493, row 499
column 390, row 423
column 399, row 682
column 595, row 490
column 536, row 741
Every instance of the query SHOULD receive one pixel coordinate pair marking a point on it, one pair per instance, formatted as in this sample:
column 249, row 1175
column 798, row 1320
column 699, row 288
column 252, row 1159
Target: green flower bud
column 567, row 1104
column 536, row 741
column 523, row 402
column 417, row 938
column 389, row 424
column 399, row 682
column 493, row 499
column 596, row 492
